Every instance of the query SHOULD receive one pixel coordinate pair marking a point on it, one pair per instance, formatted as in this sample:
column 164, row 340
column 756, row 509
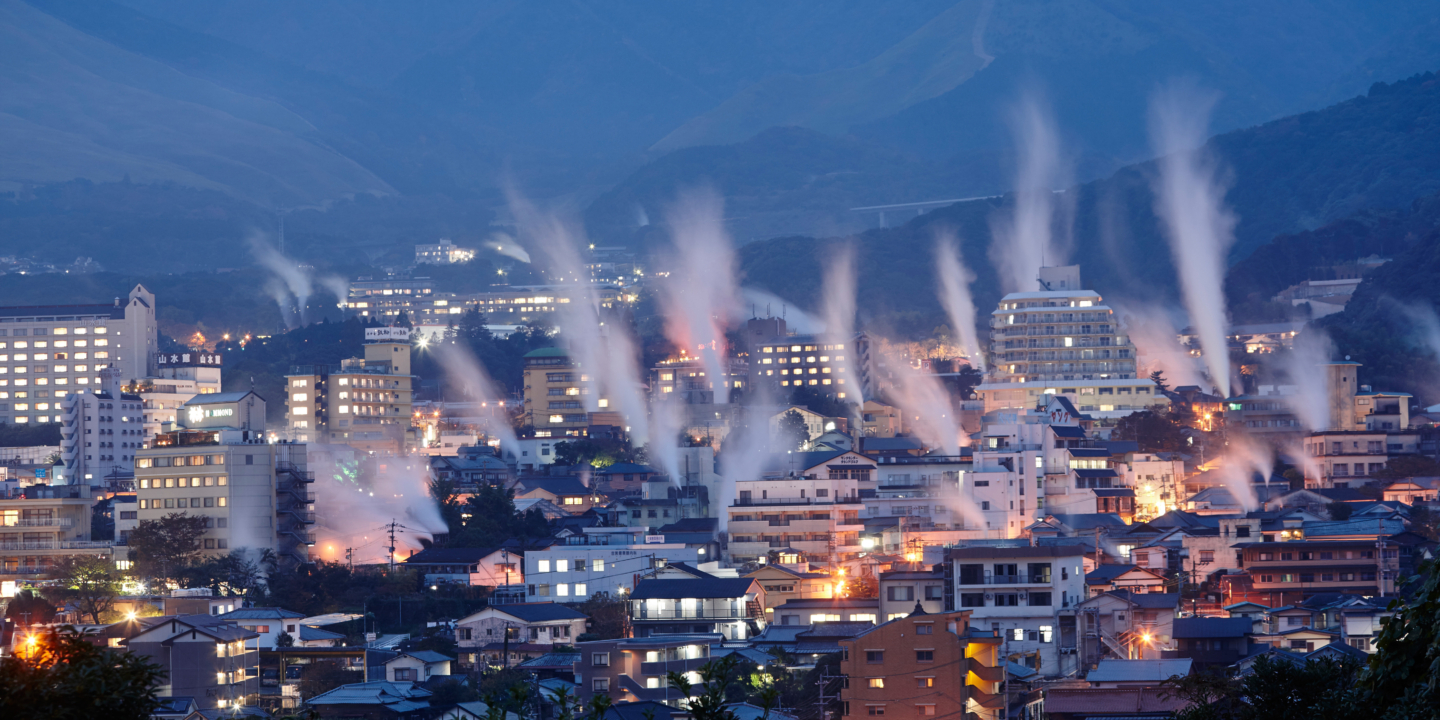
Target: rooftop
column 1139, row 670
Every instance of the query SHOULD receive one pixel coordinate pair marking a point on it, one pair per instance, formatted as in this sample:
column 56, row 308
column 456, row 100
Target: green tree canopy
column 163, row 548
column 61, row 676
column 90, row 582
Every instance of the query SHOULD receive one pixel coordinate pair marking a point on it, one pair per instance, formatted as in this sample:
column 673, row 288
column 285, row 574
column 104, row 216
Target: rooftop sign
column 388, row 334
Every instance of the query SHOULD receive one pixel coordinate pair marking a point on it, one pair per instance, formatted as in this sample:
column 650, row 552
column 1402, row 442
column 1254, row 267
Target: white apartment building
column 101, row 432
column 1158, row 481
column 1027, row 594
column 178, row 378
column 600, row 560
column 811, row 509
column 50, row 351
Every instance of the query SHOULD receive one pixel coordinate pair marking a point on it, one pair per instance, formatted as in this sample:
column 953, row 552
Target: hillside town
column 1073, row 535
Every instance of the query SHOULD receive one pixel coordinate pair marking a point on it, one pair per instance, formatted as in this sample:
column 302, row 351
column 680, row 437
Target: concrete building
column 1058, row 333
column 487, row 567
column 810, row 510
column 543, row 623
column 202, row 657
column 782, row 584
column 901, row 591
column 555, row 387
column 103, row 429
column 923, row 665
column 178, row 378
column 252, row 494
column 48, row 352
column 41, row 524
column 600, row 560
column 442, row 253
column 729, row 606
column 793, row 361
column 384, row 300
column 365, row 403
column 1025, row 594
column 633, row 670
column 684, row 379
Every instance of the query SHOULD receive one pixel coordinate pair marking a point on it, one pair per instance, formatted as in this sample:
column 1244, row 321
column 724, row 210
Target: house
column 923, row 665
column 490, row 567
column 1409, row 492
column 1301, row 639
column 176, row 708
column 1257, row 614
column 373, row 700
column 783, row 584
column 1124, row 577
column 634, row 670
column 1128, row 625
column 622, row 478
column 817, row 610
column 315, row 637
column 1063, row 703
column 525, row 630
column 1211, row 642
column 732, row 607
column 904, row 590
column 268, row 623
column 417, row 666
column 567, row 491
column 203, row 657
column 1137, row 673
column 467, row 711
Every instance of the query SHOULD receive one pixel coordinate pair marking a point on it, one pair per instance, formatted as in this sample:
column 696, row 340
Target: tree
column 710, row 700
column 1425, row 521
column 862, row 586
column 608, row 616
column 1409, row 466
column 1161, row 384
column 1152, row 431
column 1340, row 510
column 89, row 582
column 451, row 692
column 285, row 639
column 1403, row 677
column 27, row 608
column 161, row 548
column 793, row 433
column 59, row 674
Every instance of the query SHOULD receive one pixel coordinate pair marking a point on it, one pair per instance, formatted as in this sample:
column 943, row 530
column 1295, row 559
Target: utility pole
column 350, row 558
column 1380, row 554
column 392, row 544
column 823, row 682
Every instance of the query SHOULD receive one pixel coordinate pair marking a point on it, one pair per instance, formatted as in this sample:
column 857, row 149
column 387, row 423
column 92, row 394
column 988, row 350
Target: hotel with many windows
column 366, row 403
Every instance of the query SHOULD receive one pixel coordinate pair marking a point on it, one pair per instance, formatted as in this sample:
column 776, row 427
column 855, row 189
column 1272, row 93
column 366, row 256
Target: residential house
column 1064, row 703
column 417, row 666
column 200, row 656
column 372, row 701
column 567, row 491
column 525, row 630
column 923, row 665
column 1409, row 492
column 1211, row 642
column 599, row 560
column 1124, row 577
column 731, row 607
column 490, row 567
column 782, row 584
column 1127, row 625
column 1257, row 614
column 819, row 610
column 316, row 638
column 903, row 590
column 634, row 670
column 1292, row 571
column 1021, row 592
column 268, row 623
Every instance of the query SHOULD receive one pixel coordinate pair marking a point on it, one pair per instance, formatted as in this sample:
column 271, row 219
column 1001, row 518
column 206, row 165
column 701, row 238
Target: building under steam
column 363, row 402
column 1063, row 340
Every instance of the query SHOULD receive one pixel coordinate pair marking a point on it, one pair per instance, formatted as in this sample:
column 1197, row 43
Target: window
column 1007, row 600
column 900, row 593
column 972, row 599
column 601, row 685
column 1047, row 633
column 404, row 674
column 600, row 659
column 874, row 657
column 1017, row 634
column 542, row 566
column 874, row 710
column 925, row 629
column 934, row 592
column 597, row 565
column 877, row 682
column 925, row 709
column 924, row 656
column 924, row 682
column 1039, row 599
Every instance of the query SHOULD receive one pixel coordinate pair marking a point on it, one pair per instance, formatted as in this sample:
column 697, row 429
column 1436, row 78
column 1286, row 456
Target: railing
column 1017, row 579
column 303, row 537
column 26, row 571
column 695, row 614
column 302, row 515
column 38, row 522
column 288, row 468
column 750, row 502
column 86, row 544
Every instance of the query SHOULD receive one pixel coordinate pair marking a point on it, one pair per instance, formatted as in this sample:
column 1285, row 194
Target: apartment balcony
column 289, row 470
column 661, row 667
column 302, row 516
column 648, row 615
column 765, row 502
column 53, row 522
column 25, row 571
column 1019, row 579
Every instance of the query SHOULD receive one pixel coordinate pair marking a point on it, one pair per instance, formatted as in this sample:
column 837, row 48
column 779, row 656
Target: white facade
column 1024, row 593
column 1158, row 483
column 603, row 560
column 49, row 352
column 813, row 509
column 102, row 431
column 164, row 394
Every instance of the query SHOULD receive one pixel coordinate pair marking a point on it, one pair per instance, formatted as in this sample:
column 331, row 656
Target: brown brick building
column 923, row 666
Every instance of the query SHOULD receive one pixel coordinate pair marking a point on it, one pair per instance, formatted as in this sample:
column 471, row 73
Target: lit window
column 300, row 397
column 300, row 411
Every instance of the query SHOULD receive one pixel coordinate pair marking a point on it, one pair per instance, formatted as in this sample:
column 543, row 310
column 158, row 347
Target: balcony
column 757, row 502
column 303, row 516
column 39, row 522
column 987, row 672
column 300, row 536
column 1018, row 579
column 647, row 614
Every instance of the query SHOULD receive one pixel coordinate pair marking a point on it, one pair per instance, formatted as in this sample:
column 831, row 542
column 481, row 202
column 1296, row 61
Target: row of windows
column 561, row 590
column 796, row 359
column 181, row 461
column 22, row 382
column 801, row 348
column 798, row 383
column 1310, row 577
column 41, row 344
column 564, row 565
column 169, row 503
column 1033, row 599
column 208, row 481
column 1322, row 555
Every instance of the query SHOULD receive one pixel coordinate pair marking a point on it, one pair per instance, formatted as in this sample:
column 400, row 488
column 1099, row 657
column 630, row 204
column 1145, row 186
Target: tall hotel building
column 1063, row 340
column 362, row 402
column 50, row 351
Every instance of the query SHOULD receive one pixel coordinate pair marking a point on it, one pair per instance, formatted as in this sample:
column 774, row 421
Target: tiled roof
column 1138, row 670
column 1106, row 573
column 260, row 613
column 564, row 485
column 697, row 588
column 1212, row 627
column 398, row 697
column 313, row 634
column 539, row 612
column 1149, row 601
column 449, row 556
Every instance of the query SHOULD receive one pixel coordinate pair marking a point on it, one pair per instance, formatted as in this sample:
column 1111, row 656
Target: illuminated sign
column 654, row 539
column 198, row 413
column 393, row 334
column 188, row 359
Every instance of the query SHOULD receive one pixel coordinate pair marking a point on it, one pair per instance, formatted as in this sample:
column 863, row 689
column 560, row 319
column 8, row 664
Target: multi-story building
column 545, row 623
column 811, row 511
column 442, row 253
column 636, row 669
column 252, row 494
column 384, row 300
column 782, row 584
column 600, row 560
column 1288, row 572
column 683, row 379
column 1028, row 595
column 733, row 607
column 1058, row 333
column 1344, row 457
column 923, row 665
column 363, row 402
column 41, row 524
column 201, row 657
column 178, row 377
column 810, row 361
column 902, row 590
column 48, row 352
column 102, row 431
column 559, row 400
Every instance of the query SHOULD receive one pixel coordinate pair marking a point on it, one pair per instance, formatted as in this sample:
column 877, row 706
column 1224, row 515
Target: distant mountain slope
column 72, row 105
column 1380, row 150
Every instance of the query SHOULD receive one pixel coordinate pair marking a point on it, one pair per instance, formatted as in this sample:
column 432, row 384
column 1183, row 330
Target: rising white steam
column 642, row 218
column 1024, row 242
column 335, row 285
column 746, row 450
column 927, row 408
column 664, row 446
column 297, row 281
column 1157, row 338
column 758, row 303
column 700, row 293
column 1190, row 201
column 1424, row 324
column 353, row 506
column 603, row 348
column 839, row 299
column 465, row 372
column 1305, row 365
column 1244, row 459
column 506, row 245
column 955, row 281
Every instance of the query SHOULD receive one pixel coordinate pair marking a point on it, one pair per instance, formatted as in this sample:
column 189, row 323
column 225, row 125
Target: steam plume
column 1023, row 243
column 1156, row 337
column 464, row 370
column 928, row 408
column 296, row 280
column 1243, row 460
column 506, row 245
column 839, row 293
column 351, row 507
column 1190, row 202
column 1305, row 366
column 955, row 281
column 700, row 293
column 337, row 286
